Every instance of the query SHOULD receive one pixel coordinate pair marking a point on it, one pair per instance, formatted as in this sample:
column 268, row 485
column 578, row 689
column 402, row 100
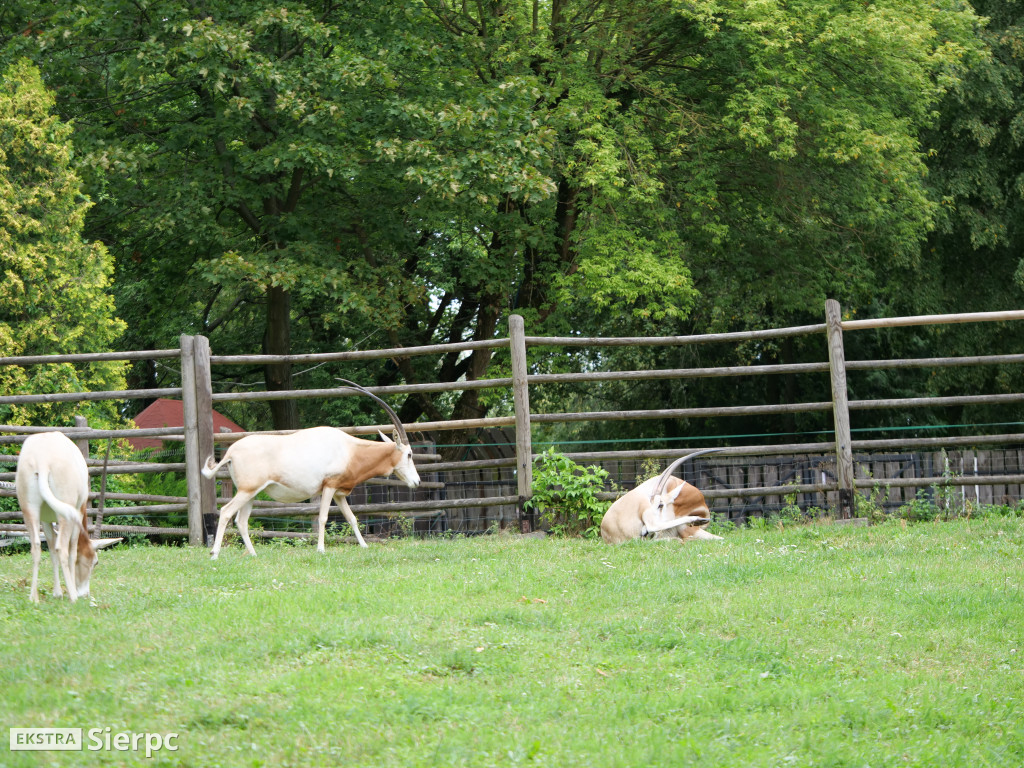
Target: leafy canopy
column 54, row 293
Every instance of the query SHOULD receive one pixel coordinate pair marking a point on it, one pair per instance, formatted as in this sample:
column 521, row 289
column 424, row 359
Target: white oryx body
column 663, row 507
column 52, row 485
column 298, row 466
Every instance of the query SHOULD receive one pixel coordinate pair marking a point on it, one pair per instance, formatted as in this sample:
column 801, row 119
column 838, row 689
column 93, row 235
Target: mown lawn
column 809, row 646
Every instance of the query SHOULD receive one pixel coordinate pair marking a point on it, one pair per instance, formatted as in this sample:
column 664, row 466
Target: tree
column 54, row 294
column 771, row 149
column 976, row 171
column 412, row 172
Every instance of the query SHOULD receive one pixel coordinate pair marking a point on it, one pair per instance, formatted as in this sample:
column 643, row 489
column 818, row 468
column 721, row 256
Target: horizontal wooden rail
column 780, row 449
column 117, row 529
column 672, row 341
column 598, row 376
column 119, row 469
column 156, row 531
column 944, row 481
column 933, row 362
column 372, row 429
column 303, row 510
column 680, row 413
column 305, row 394
column 968, row 317
column 81, row 397
column 370, row 354
column 756, row 410
column 91, row 357
column 149, row 509
column 929, row 402
column 164, row 433
column 803, row 488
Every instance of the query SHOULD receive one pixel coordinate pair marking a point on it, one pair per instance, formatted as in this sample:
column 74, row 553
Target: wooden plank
column 754, row 472
column 770, row 475
column 827, row 470
column 738, row 480
column 1012, row 466
column 997, row 464
column 892, row 471
column 972, row 464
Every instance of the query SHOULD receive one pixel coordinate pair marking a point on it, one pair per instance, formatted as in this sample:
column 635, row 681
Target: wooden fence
column 750, row 477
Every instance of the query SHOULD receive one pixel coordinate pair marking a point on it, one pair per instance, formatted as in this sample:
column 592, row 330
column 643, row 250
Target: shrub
column 565, row 495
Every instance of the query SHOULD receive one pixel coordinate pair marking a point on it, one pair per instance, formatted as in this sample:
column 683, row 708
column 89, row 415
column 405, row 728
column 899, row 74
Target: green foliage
column 410, row 173
column 565, row 495
column 360, row 174
column 53, row 295
column 921, row 508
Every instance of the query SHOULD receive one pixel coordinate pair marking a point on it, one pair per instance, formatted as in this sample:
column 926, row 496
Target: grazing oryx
column 52, row 484
column 298, row 466
column 663, row 507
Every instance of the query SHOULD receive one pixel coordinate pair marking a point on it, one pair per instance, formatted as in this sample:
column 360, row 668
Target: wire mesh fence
column 737, row 488
column 473, row 496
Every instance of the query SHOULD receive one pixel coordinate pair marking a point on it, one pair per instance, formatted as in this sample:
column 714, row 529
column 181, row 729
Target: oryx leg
column 242, row 521
column 700, row 533
column 227, row 512
column 342, row 500
column 676, row 522
column 37, row 554
column 67, row 532
column 73, row 535
column 325, row 507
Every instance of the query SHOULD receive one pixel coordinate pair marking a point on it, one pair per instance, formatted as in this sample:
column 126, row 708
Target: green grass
column 809, row 646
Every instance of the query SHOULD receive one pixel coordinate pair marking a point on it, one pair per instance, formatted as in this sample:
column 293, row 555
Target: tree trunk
column 468, row 405
column 277, row 341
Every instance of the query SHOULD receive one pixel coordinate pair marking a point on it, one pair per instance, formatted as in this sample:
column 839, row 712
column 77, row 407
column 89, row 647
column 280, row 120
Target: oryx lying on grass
column 663, row 507
column 296, row 467
column 52, row 485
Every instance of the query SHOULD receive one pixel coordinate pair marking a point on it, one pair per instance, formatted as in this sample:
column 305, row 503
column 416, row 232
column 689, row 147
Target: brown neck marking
column 370, row 459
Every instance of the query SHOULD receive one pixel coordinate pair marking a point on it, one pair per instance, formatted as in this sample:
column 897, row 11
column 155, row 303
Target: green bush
column 565, row 495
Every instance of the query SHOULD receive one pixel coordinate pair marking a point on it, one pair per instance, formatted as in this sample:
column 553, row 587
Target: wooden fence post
column 83, row 446
column 204, row 416
column 840, row 408
column 82, row 442
column 521, row 402
column 196, row 396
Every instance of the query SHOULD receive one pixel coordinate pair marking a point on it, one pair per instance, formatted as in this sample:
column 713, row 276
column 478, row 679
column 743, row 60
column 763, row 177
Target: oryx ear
column 671, row 495
column 104, row 543
column 384, row 437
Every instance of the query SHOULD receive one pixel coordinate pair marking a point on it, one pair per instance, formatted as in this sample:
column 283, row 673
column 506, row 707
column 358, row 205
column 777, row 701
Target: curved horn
column 663, row 479
column 402, row 436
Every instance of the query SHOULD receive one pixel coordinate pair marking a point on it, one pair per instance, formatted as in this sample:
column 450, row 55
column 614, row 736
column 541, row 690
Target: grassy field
column 809, row 646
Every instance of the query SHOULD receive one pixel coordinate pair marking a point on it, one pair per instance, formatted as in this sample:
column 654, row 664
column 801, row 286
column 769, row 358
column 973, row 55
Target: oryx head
column 86, row 559
column 405, row 469
column 661, row 514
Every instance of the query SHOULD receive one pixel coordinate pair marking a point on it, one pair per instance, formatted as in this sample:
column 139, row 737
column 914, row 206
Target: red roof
column 171, row 413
